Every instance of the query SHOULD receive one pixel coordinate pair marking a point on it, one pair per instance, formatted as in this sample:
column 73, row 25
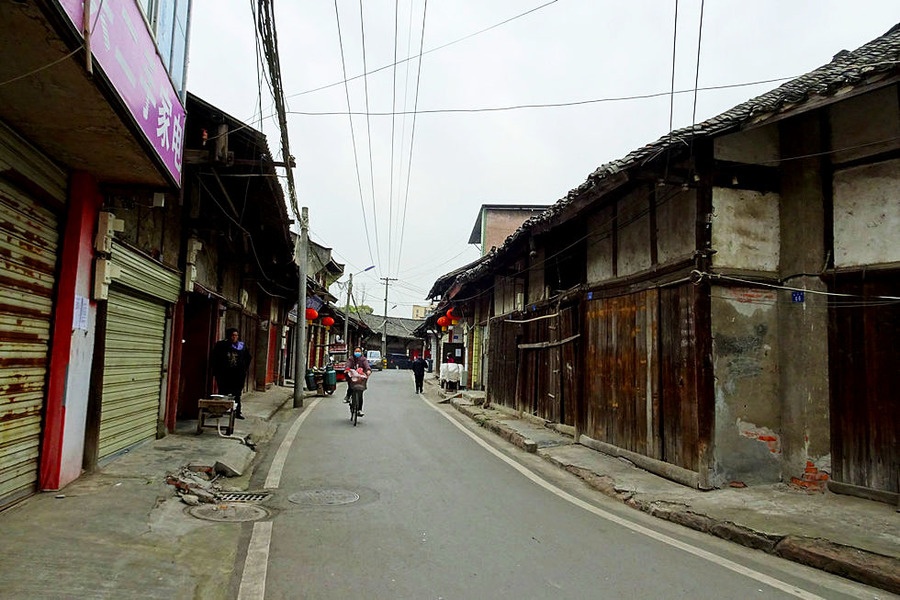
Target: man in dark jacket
column 418, row 369
column 230, row 361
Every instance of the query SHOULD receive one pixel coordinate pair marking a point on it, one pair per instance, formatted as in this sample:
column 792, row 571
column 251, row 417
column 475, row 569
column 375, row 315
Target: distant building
column 419, row 312
column 496, row 222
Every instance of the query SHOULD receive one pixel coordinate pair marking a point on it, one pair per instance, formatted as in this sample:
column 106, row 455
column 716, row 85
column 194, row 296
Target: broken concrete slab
column 235, row 461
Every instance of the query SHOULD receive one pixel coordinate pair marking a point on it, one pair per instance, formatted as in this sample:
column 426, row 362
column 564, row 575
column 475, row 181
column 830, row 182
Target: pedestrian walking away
column 230, row 361
column 418, row 369
column 357, row 361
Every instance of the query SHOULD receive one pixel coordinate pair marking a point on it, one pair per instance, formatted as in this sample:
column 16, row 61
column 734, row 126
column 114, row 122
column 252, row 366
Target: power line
column 269, row 39
column 696, row 77
column 412, row 139
column 550, row 104
column 362, row 203
column 393, row 122
column 672, row 92
column 409, row 58
column 362, row 28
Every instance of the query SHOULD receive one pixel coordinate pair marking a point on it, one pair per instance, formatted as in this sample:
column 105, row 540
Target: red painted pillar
column 75, row 268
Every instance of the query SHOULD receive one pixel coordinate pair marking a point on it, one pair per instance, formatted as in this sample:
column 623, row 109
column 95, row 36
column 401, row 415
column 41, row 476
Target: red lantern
column 327, row 322
column 443, row 321
column 450, row 314
column 312, row 314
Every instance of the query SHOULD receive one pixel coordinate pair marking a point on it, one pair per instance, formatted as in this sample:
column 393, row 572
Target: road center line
column 273, row 480
column 253, row 580
column 253, row 577
column 661, row 537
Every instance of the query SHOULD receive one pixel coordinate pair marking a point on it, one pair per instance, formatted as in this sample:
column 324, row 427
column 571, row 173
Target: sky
column 433, row 170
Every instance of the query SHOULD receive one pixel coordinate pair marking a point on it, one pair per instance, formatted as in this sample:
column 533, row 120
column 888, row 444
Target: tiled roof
column 396, row 326
column 867, row 64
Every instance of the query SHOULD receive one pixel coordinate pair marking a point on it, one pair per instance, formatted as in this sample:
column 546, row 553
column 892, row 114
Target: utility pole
column 300, row 334
column 347, row 317
column 387, row 281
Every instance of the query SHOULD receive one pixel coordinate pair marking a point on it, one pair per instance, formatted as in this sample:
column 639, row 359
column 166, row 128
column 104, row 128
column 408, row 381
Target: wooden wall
column 865, row 379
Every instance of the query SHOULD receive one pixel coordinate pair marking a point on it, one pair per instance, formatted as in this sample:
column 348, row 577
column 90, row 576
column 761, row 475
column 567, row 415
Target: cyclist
column 358, row 360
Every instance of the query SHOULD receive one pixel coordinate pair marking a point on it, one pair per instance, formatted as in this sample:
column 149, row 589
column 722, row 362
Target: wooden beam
column 539, row 345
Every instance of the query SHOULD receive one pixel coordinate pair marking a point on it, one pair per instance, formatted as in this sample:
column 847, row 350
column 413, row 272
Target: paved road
column 443, row 516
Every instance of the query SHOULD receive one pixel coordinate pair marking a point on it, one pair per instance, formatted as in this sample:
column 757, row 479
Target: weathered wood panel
column 502, row 363
column 865, row 379
column 621, row 371
column 570, row 366
column 679, row 376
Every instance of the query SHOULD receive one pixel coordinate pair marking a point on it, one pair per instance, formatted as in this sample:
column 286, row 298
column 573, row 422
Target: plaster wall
column 599, row 245
column 867, row 214
column 676, row 220
column 536, row 289
column 754, row 146
column 862, row 123
column 497, row 225
column 633, row 236
column 747, row 436
column 206, row 264
column 803, row 326
column 745, row 229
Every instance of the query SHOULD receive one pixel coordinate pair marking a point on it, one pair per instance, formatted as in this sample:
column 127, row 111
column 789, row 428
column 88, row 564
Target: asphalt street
column 443, row 515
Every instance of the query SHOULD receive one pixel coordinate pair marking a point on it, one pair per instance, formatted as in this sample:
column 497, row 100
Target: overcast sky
column 566, row 51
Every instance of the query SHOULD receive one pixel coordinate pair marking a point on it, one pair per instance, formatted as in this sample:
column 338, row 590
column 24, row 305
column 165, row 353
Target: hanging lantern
column 312, row 314
column 327, row 322
column 450, row 314
column 443, row 322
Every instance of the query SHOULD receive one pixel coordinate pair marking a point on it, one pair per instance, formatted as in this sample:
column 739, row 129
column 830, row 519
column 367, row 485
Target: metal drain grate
column 242, row 497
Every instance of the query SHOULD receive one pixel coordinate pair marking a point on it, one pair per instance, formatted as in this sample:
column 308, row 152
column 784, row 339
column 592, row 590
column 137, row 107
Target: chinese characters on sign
column 129, row 59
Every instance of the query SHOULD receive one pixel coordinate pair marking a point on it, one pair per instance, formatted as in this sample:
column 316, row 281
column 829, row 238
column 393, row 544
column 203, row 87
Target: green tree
column 363, row 309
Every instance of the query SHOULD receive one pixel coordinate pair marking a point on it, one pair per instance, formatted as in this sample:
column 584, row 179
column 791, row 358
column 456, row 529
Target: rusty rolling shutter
column 132, row 370
column 28, row 252
column 145, row 275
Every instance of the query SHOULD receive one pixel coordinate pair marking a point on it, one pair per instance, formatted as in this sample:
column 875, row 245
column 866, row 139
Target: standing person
column 418, row 369
column 230, row 361
column 357, row 361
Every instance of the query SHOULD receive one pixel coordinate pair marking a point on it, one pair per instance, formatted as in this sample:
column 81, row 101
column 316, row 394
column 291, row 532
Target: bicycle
column 355, row 401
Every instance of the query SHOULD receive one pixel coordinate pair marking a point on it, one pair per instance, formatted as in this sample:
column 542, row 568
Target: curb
column 853, row 563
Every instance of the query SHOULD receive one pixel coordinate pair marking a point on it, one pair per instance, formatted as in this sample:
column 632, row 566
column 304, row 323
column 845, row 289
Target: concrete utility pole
column 300, row 334
column 347, row 316
column 387, row 281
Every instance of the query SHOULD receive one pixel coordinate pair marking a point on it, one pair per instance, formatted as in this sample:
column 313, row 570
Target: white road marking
column 253, row 577
column 273, row 480
column 253, row 580
column 661, row 537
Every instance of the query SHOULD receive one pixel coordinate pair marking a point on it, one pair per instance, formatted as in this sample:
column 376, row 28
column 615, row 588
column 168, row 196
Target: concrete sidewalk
column 851, row 537
column 122, row 532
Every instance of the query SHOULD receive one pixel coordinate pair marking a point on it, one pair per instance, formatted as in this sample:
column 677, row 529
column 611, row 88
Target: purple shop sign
column 124, row 48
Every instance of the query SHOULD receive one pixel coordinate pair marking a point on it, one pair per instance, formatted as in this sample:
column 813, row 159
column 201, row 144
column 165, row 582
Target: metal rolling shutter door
column 135, row 333
column 28, row 252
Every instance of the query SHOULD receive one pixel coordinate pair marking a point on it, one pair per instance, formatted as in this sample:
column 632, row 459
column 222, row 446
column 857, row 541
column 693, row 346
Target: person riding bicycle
column 357, row 361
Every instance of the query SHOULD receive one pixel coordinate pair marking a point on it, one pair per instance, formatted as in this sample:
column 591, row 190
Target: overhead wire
column 268, row 37
column 672, row 92
column 412, row 139
column 548, row 104
column 696, row 77
column 435, row 49
column 362, row 28
column 362, row 203
column 393, row 123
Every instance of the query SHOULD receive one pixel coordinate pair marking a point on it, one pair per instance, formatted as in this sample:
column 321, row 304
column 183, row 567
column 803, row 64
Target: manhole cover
column 229, row 513
column 324, row 497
